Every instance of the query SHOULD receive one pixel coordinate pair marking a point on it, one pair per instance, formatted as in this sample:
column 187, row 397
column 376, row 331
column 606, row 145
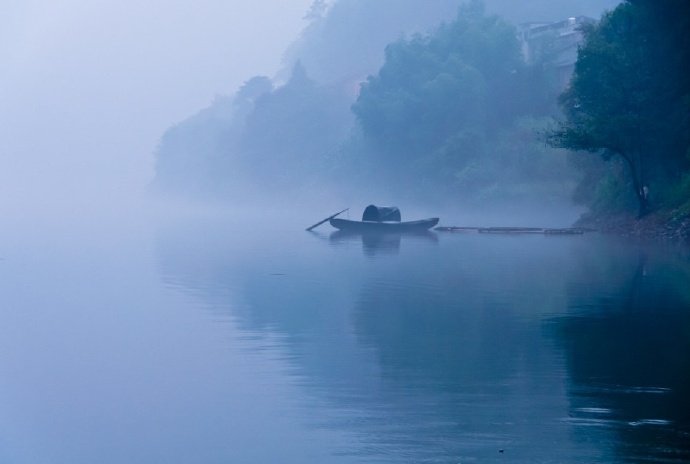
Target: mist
column 88, row 88
column 307, row 128
column 495, row 261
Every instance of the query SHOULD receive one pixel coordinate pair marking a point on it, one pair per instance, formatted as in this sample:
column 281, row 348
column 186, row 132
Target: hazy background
column 239, row 338
column 87, row 88
column 308, row 128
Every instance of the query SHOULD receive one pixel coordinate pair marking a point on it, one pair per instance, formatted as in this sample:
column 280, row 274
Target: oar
column 327, row 219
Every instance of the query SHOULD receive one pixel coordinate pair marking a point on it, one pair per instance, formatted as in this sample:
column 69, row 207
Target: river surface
column 205, row 341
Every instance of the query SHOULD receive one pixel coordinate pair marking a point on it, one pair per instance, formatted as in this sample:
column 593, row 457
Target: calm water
column 199, row 341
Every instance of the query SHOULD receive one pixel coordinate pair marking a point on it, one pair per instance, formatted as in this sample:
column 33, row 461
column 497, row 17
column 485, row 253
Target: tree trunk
column 641, row 190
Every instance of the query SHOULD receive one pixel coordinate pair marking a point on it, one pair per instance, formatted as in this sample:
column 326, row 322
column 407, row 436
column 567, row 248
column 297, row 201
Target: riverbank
column 666, row 225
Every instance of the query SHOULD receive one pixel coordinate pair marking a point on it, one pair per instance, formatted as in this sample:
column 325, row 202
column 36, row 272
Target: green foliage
column 629, row 95
column 456, row 109
column 432, row 87
column 187, row 155
column 287, row 135
column 677, row 194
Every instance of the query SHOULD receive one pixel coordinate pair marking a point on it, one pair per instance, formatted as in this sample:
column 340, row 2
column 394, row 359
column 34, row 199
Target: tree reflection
column 559, row 349
column 627, row 345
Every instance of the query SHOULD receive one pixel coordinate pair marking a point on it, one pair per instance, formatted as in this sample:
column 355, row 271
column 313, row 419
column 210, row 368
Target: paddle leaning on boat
column 382, row 219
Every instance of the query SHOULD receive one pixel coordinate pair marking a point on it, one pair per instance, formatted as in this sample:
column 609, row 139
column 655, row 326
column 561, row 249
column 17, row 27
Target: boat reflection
column 556, row 351
column 380, row 243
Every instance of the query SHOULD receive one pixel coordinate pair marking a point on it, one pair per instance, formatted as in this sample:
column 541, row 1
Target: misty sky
column 88, row 87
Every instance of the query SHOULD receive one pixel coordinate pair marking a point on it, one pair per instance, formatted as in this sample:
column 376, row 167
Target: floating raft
column 516, row 230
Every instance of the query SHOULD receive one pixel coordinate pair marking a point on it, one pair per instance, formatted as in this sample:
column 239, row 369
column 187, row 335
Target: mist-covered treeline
column 458, row 111
column 414, row 98
column 345, row 39
column 629, row 100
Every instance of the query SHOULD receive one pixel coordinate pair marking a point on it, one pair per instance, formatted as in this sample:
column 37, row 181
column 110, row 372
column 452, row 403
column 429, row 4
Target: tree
column 459, row 79
column 289, row 132
column 627, row 97
column 454, row 113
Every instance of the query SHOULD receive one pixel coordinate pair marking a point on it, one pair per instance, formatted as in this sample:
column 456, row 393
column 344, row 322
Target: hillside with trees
column 468, row 111
column 629, row 103
column 455, row 110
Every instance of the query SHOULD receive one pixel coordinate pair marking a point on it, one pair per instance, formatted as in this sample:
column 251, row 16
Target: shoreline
column 662, row 225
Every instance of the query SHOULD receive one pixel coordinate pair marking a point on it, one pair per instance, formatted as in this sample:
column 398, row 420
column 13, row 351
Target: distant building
column 554, row 45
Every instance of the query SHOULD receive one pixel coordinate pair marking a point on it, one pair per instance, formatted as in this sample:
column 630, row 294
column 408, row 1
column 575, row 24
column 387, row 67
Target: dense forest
column 472, row 109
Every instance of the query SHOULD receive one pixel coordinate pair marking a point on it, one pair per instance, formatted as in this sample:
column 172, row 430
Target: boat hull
column 371, row 226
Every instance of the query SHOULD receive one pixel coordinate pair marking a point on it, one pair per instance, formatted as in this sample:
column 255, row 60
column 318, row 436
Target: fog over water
column 87, row 88
column 162, row 302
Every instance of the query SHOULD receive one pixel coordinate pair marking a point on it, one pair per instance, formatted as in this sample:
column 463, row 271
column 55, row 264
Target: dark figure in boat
column 383, row 219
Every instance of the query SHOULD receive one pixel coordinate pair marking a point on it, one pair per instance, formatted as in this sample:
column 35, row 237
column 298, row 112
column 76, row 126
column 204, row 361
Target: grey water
column 203, row 340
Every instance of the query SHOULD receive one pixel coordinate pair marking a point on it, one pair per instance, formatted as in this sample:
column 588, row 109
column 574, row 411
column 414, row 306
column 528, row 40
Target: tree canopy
column 432, row 87
column 455, row 109
column 629, row 96
column 452, row 113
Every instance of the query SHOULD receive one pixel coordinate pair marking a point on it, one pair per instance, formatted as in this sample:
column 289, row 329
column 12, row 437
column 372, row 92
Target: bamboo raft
column 516, row 230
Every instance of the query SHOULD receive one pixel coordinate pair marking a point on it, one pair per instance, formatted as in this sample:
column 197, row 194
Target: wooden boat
column 383, row 226
column 382, row 219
